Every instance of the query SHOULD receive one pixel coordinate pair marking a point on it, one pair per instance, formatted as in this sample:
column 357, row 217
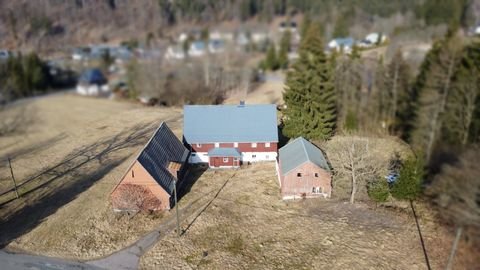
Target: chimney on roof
column 242, row 103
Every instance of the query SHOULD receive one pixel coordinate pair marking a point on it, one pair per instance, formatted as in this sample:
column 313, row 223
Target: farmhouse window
column 316, row 174
column 235, row 144
column 254, row 145
column 225, row 159
column 217, row 144
column 199, row 145
column 267, row 144
column 299, row 174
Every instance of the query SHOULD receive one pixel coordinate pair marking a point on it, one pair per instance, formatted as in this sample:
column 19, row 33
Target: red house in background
column 225, row 136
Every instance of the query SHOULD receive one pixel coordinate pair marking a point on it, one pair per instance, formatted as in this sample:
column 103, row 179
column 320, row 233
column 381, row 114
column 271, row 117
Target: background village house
column 303, row 171
column 149, row 182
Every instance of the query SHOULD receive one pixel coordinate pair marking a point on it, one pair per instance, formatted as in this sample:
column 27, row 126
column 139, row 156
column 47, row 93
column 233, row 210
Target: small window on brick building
column 316, row 174
column 299, row 174
column 254, row 145
column 217, row 145
column 133, row 174
column 225, row 159
column 267, row 144
column 199, row 145
column 235, row 144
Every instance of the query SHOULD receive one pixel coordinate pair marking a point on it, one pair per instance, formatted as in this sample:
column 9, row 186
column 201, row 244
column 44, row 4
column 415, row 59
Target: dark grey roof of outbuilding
column 298, row 152
column 164, row 147
column 230, row 123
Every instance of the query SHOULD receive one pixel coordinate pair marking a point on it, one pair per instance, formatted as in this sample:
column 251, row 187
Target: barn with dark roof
column 303, row 171
column 149, row 182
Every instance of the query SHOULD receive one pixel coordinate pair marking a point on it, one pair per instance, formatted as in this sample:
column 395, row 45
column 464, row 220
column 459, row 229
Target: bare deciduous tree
column 135, row 198
column 353, row 158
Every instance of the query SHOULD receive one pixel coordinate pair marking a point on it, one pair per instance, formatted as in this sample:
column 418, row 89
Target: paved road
column 15, row 261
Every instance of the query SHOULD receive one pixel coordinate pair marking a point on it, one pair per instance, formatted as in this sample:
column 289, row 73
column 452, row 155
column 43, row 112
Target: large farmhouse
column 149, row 182
column 303, row 171
column 226, row 136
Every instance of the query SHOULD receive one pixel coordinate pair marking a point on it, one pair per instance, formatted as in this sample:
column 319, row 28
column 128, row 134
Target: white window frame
column 235, row 144
column 199, row 145
column 254, row 145
column 267, row 144
column 217, row 145
column 225, row 159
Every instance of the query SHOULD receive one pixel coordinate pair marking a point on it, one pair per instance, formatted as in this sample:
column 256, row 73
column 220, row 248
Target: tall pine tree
column 310, row 94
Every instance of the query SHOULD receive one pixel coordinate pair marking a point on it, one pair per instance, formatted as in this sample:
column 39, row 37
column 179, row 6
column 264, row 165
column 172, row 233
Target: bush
column 378, row 190
column 408, row 184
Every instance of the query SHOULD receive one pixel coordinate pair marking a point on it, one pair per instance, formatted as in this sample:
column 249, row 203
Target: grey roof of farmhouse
column 230, row 123
column 224, row 152
column 298, row 152
column 164, row 147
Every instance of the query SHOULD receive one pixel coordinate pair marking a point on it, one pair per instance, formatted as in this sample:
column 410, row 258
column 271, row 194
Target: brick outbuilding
column 303, row 171
column 149, row 182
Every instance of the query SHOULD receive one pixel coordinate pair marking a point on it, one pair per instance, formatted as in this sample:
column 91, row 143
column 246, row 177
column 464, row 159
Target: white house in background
column 197, row 49
column 182, row 37
column 341, row 44
column 175, row 52
column 259, row 36
column 216, row 46
column 221, row 35
column 290, row 26
column 374, row 38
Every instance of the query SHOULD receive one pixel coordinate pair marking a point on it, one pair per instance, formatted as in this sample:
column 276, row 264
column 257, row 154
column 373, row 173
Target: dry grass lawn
column 248, row 226
column 74, row 150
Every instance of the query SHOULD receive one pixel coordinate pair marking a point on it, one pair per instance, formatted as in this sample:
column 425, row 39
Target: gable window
column 225, row 159
column 316, row 174
column 267, row 144
column 299, row 174
column 254, row 145
column 235, row 144
column 217, row 145
column 199, row 145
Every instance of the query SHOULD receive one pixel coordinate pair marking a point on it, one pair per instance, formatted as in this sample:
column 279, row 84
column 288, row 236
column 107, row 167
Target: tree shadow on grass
column 57, row 185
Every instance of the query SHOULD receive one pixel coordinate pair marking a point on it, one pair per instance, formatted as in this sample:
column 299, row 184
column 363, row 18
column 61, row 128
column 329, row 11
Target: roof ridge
column 302, row 140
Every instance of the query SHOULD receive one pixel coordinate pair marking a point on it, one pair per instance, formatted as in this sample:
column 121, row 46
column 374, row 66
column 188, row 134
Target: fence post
column 13, row 178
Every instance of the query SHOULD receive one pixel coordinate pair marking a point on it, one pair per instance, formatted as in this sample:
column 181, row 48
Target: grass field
column 73, row 150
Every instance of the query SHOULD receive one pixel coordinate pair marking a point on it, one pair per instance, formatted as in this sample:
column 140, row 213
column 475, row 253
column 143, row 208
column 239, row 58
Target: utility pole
column 176, row 206
column 13, row 177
